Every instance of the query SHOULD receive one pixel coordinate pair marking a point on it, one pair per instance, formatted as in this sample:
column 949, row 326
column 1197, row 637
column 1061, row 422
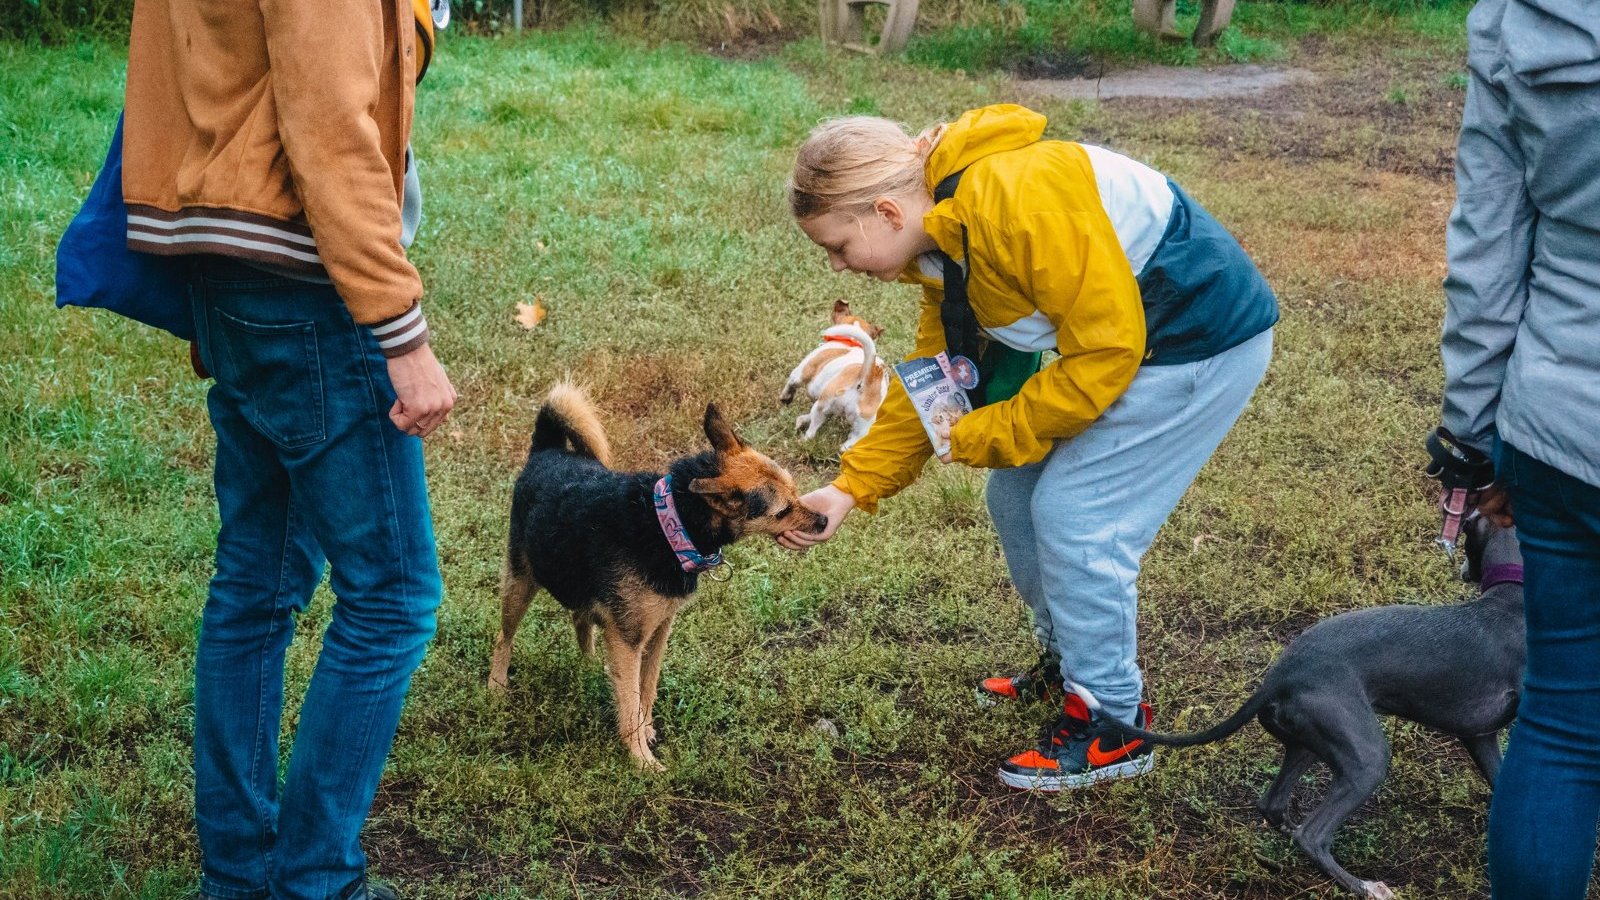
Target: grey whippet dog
column 1455, row 669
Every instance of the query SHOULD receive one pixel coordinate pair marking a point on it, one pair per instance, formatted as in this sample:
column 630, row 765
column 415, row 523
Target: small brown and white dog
column 844, row 377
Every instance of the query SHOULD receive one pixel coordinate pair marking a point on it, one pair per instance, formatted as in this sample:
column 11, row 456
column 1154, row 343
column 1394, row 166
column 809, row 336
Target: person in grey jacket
column 1521, row 349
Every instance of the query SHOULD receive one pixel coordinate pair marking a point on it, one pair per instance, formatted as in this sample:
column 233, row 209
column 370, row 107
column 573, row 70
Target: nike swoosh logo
column 1098, row 757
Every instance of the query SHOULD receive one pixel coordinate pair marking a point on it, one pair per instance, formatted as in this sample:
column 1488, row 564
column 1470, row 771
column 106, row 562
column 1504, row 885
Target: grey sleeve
column 1489, row 244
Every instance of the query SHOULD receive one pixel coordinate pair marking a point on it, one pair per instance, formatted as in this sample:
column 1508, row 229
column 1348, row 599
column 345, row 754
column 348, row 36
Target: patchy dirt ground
column 1392, row 112
column 1170, row 82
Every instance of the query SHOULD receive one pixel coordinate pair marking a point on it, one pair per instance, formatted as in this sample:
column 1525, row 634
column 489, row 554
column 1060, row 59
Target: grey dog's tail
column 568, row 418
column 1217, row 732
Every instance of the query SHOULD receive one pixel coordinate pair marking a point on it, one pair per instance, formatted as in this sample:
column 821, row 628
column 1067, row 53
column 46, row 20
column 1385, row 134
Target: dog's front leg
column 797, row 377
column 814, row 420
column 655, row 649
column 623, row 665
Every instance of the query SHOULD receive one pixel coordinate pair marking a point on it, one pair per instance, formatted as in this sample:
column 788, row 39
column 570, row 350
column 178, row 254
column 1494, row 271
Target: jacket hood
column 979, row 133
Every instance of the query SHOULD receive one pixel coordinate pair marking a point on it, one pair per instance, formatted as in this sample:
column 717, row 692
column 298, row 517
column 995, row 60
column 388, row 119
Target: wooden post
column 829, row 14
column 1214, row 17
column 844, row 22
column 1158, row 18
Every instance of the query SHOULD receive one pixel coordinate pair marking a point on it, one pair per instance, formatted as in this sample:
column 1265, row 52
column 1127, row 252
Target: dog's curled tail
column 568, row 418
column 869, row 350
column 1217, row 732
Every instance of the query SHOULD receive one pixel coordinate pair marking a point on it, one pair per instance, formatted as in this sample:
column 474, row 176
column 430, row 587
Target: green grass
column 637, row 190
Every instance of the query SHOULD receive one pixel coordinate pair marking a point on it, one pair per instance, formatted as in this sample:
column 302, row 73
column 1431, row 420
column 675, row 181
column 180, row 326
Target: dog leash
column 693, row 561
column 1463, row 474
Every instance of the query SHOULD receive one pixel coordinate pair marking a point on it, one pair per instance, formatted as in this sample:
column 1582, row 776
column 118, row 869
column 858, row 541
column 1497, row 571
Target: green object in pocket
column 1003, row 370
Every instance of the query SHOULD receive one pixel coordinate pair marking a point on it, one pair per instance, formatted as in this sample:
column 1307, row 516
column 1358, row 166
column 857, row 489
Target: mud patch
column 754, row 43
column 1169, row 82
column 1057, row 66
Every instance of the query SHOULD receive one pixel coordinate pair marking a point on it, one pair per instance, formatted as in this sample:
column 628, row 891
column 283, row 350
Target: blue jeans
column 1546, row 802
column 308, row 467
column 1075, row 526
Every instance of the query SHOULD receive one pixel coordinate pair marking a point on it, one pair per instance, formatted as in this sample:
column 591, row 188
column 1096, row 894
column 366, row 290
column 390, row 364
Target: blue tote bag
column 94, row 266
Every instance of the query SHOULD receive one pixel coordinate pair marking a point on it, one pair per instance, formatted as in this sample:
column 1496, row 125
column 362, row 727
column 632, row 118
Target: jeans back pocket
column 277, row 369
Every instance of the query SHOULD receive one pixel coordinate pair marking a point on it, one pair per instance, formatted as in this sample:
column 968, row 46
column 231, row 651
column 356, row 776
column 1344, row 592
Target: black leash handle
column 1463, row 473
column 962, row 336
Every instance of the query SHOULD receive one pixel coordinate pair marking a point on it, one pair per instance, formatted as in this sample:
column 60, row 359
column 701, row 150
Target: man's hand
column 423, row 395
column 1495, row 503
column 831, row 502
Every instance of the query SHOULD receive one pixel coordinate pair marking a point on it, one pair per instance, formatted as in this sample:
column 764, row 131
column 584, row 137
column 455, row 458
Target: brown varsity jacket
column 276, row 131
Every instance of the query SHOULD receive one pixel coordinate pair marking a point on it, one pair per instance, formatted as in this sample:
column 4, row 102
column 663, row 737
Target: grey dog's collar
column 1504, row 573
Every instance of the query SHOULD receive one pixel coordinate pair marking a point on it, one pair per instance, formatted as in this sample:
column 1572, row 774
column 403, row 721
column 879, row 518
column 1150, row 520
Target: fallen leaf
column 531, row 315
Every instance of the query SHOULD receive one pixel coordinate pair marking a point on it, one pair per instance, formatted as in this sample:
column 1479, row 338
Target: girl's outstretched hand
column 831, row 502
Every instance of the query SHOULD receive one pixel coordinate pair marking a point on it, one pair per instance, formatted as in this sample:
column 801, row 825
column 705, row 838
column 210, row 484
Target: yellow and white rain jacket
column 1071, row 248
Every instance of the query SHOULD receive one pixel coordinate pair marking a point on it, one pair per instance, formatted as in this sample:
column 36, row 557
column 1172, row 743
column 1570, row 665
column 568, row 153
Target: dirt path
column 1170, row 82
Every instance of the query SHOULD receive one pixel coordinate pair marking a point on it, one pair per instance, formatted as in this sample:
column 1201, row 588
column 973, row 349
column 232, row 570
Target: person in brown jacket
column 268, row 142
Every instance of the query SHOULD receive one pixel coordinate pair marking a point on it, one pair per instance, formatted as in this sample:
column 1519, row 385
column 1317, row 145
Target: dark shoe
column 1080, row 748
column 365, row 891
column 1035, row 684
column 371, row 890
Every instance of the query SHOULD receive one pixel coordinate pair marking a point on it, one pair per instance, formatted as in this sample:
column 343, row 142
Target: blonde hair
column 847, row 163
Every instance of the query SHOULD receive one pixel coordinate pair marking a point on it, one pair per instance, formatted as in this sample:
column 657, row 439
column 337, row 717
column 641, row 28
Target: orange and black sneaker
column 1080, row 748
column 1035, row 684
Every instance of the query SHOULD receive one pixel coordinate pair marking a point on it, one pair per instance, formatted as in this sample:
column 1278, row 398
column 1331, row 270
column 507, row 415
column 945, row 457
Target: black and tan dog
column 624, row 550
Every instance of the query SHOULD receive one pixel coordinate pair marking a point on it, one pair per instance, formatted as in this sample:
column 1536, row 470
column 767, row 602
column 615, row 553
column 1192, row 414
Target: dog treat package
column 939, row 398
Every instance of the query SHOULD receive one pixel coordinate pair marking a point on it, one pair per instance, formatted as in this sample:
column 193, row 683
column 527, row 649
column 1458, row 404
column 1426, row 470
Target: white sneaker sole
column 1050, row 784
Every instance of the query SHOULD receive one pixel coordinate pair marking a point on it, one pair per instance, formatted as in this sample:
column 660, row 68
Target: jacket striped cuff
column 403, row 333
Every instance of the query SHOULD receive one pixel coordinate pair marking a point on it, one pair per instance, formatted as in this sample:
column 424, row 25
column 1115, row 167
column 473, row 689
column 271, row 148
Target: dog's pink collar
column 692, row 560
column 1504, row 573
column 841, row 339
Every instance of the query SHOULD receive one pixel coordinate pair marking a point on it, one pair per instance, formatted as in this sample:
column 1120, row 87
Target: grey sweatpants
column 1075, row 526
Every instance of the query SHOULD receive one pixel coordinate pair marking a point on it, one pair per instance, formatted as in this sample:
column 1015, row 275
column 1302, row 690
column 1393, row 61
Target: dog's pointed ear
column 720, row 495
column 877, row 332
column 841, row 309
column 708, row 487
column 720, row 433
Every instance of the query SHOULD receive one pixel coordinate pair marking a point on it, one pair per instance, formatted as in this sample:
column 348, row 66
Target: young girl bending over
column 1163, row 328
